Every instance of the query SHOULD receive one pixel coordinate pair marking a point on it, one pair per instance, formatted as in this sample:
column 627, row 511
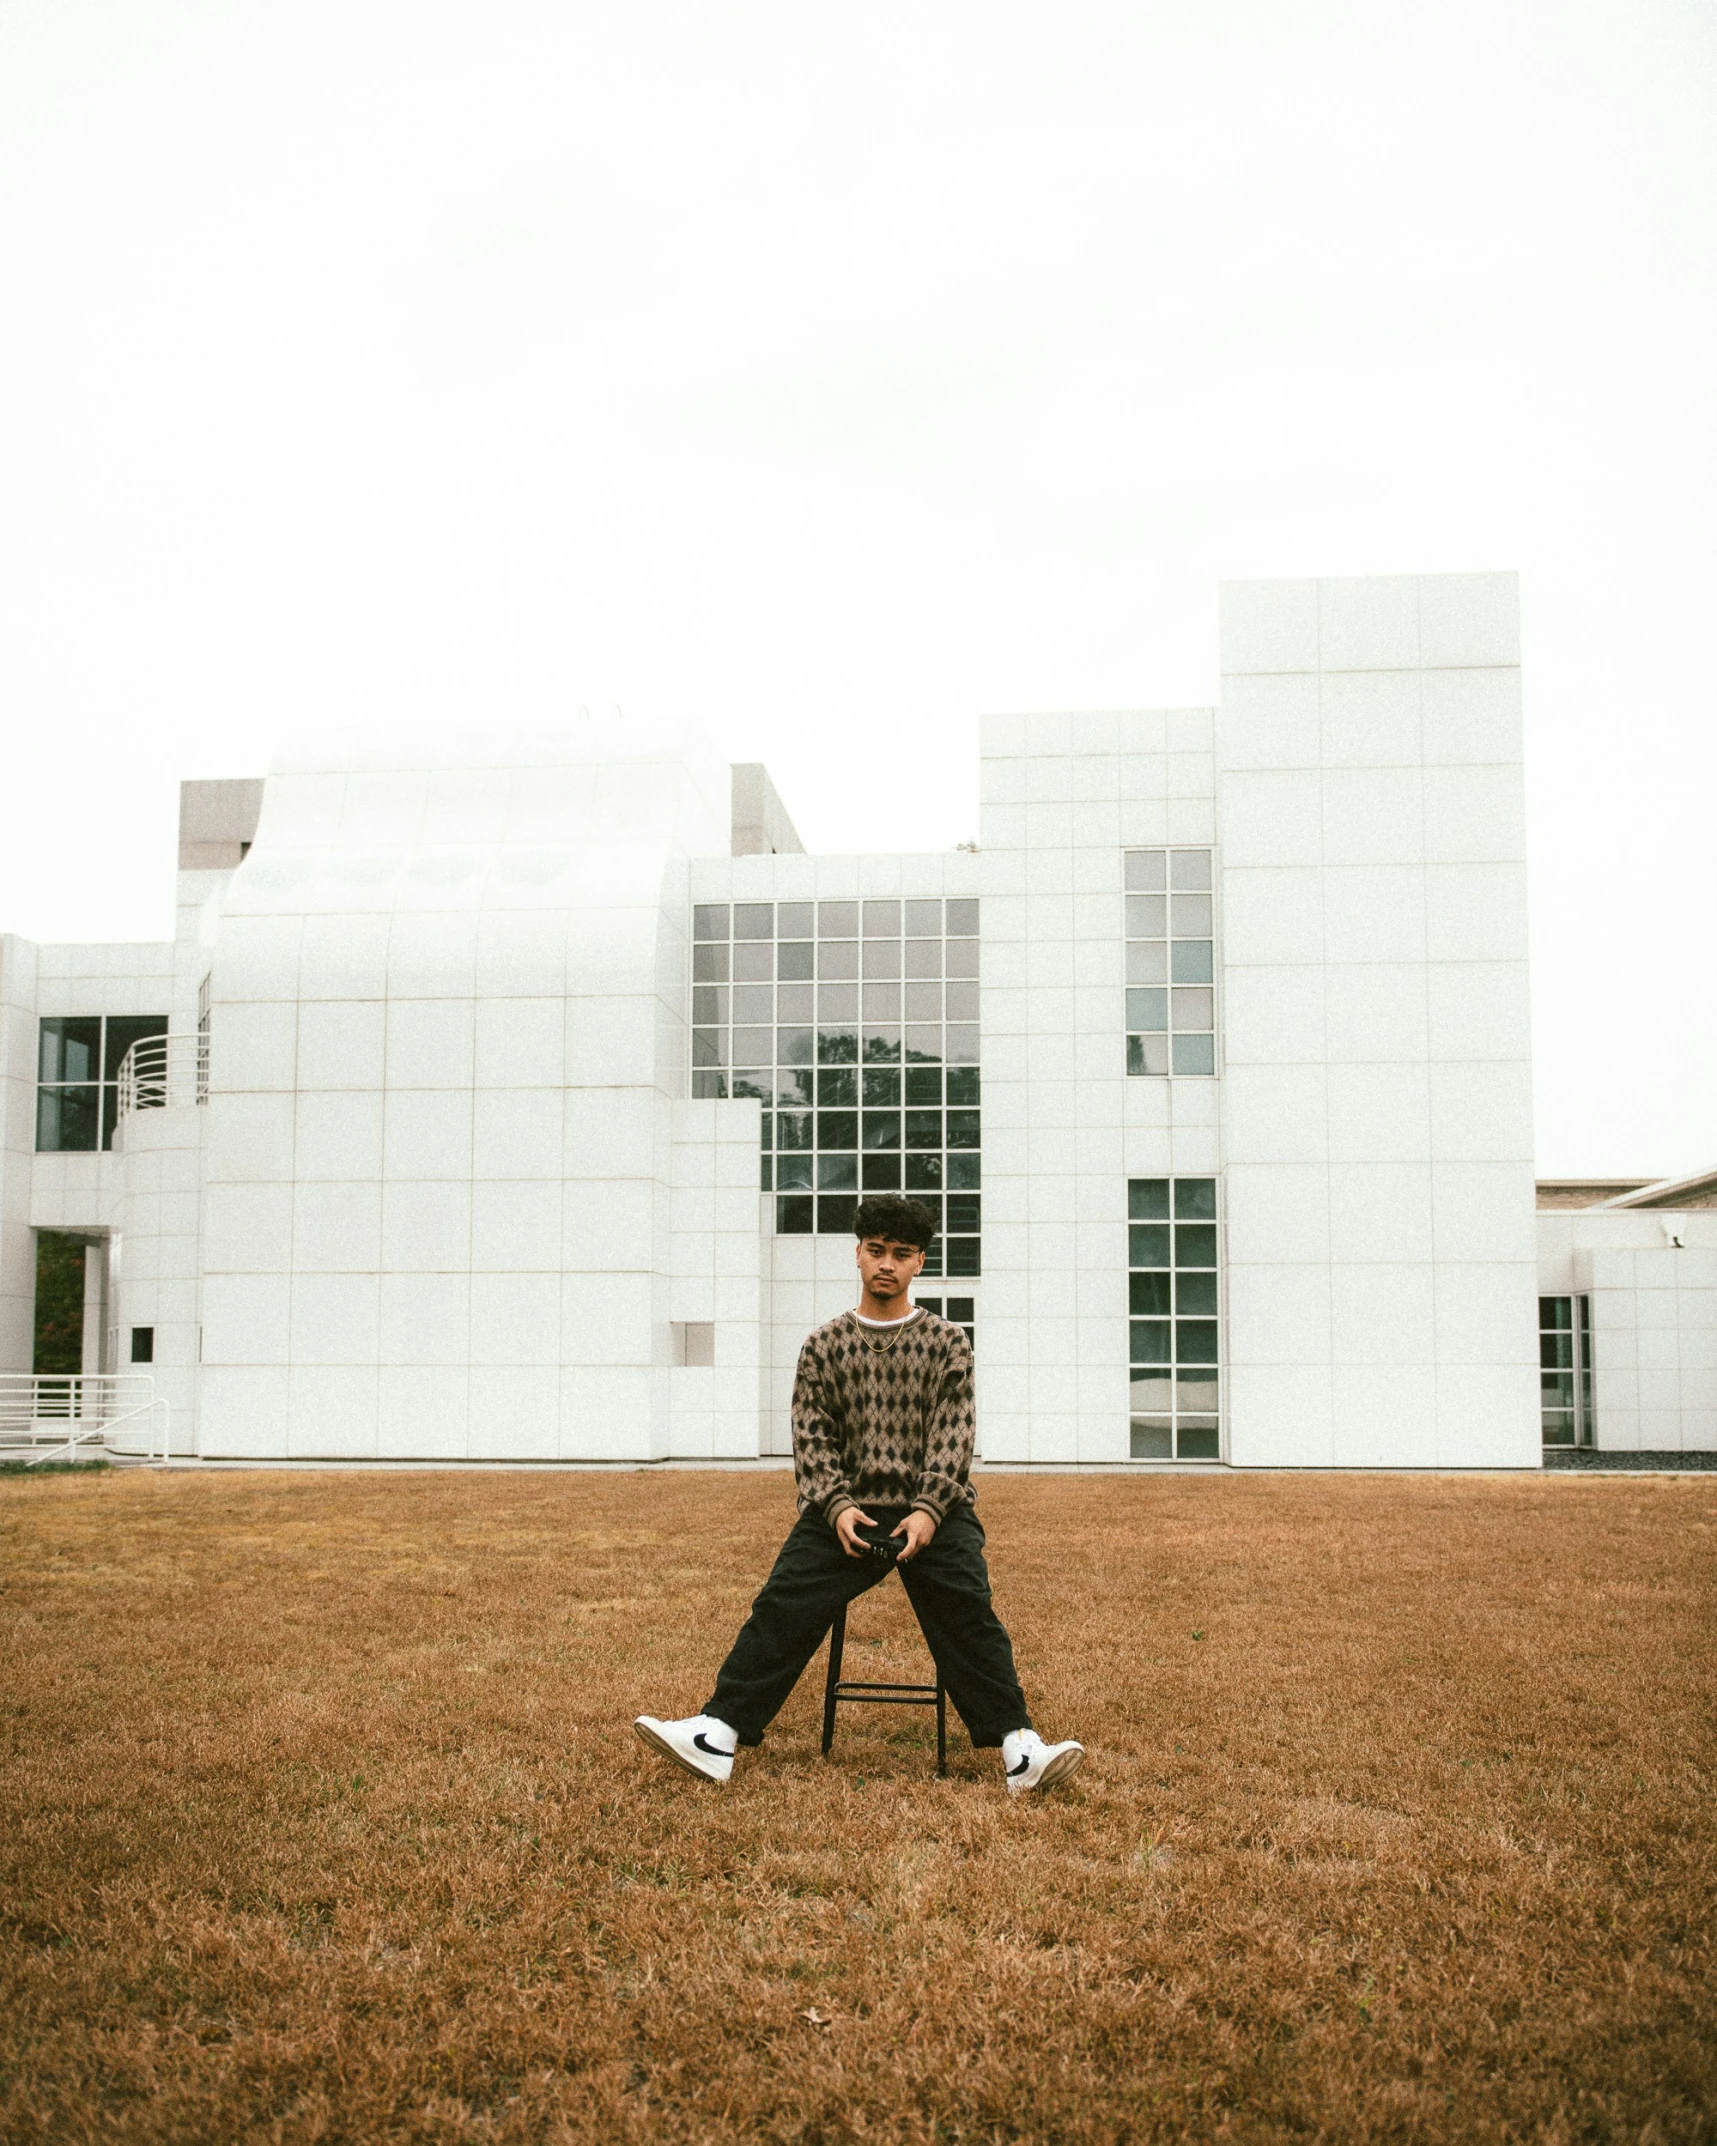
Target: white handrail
column 162, row 1070
column 59, row 1411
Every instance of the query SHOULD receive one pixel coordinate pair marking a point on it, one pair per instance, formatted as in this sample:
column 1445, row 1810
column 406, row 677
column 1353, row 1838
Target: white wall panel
column 334, row 1318
column 1279, row 1314
column 247, row 1229
column 426, row 1133
column 1469, row 619
column 242, row 1411
column 339, row 1135
column 1272, row 916
column 1275, row 1014
column 1381, row 1211
column 1379, row 1113
column 516, row 1133
column 1416, row 879
column 426, row 1226
column 423, row 1412
column 1269, row 626
column 1383, row 1416
column 431, row 1043
column 340, row 1043
column 1278, row 1213
column 1470, row 715
column 1368, row 719
column 1369, row 624
column 249, row 1139
column 337, row 1228
column 332, row 1412
column 348, row 957
column 516, row 1227
column 1280, row 1415
column 255, row 1046
column 1375, row 1014
column 1475, row 912
column 1372, row 815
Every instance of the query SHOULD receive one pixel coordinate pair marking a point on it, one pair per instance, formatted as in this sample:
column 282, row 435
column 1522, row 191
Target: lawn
column 321, row 1818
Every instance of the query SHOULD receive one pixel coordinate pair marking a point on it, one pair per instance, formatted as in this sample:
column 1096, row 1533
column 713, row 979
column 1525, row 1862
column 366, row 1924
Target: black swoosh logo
column 715, row 1751
column 1024, row 1766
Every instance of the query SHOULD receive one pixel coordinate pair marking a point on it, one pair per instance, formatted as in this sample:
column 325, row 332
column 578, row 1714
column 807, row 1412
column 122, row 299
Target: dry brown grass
column 321, row 1819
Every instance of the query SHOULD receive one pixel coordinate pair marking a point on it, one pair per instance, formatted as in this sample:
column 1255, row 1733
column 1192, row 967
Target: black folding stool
column 879, row 1695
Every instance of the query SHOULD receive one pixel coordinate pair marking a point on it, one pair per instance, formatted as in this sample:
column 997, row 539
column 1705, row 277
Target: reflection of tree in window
column 60, row 1270
column 855, row 1023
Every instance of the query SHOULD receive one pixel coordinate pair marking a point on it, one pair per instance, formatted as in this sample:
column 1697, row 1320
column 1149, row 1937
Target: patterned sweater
column 892, row 1424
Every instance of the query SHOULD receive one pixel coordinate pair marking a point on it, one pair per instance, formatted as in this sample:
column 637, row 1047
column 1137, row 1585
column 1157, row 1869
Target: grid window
column 1174, row 1325
column 77, row 1077
column 961, row 1310
column 1171, row 962
column 1587, row 1402
column 1565, row 1370
column 856, row 1026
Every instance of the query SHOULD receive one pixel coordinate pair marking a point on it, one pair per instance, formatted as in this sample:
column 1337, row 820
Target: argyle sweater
column 894, row 1426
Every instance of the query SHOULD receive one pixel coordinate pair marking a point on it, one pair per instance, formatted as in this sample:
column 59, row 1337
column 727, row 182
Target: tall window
column 856, row 1026
column 60, row 1271
column 77, row 1072
column 203, row 1020
column 1565, row 1371
column 1175, row 1323
column 1171, row 971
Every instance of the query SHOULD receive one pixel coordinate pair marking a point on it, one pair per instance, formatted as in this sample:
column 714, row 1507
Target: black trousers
column 948, row 1585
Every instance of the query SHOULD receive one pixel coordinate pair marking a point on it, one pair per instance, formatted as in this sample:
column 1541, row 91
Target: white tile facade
column 1651, row 1277
column 1373, row 875
column 465, row 1098
column 451, row 1195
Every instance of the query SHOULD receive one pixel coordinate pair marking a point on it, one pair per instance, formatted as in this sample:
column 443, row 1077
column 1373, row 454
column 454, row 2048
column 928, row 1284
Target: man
column 883, row 1421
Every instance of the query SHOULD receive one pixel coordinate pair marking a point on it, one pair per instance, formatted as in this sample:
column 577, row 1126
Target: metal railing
column 53, row 1416
column 162, row 1070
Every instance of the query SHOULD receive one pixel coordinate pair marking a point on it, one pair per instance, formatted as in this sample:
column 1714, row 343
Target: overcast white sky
column 840, row 373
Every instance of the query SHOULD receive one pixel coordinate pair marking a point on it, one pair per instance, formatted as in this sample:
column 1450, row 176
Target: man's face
column 887, row 1268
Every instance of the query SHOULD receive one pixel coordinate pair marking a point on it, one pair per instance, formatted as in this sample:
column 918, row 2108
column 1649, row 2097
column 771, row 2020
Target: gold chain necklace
column 881, row 1348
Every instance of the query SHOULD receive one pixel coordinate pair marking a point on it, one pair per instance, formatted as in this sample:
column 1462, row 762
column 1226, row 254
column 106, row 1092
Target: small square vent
column 694, row 1341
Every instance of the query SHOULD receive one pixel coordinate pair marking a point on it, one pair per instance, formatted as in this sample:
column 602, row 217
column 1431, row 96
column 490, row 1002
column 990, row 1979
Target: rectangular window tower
column 1171, row 962
column 1565, row 1371
column 1175, row 1321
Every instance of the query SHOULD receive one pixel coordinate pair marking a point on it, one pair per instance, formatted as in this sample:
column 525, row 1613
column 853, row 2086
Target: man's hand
column 847, row 1524
column 917, row 1527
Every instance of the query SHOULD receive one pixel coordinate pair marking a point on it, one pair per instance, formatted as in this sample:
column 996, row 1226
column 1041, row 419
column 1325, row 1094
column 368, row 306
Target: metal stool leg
column 837, row 1647
column 863, row 1694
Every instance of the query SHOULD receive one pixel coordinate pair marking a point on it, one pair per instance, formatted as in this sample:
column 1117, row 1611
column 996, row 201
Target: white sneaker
column 700, row 1743
column 1029, row 1762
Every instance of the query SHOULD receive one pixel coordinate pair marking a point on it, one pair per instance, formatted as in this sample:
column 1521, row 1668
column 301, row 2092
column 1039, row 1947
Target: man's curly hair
column 895, row 1217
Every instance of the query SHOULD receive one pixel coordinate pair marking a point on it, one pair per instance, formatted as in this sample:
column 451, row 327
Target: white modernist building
column 514, row 1107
